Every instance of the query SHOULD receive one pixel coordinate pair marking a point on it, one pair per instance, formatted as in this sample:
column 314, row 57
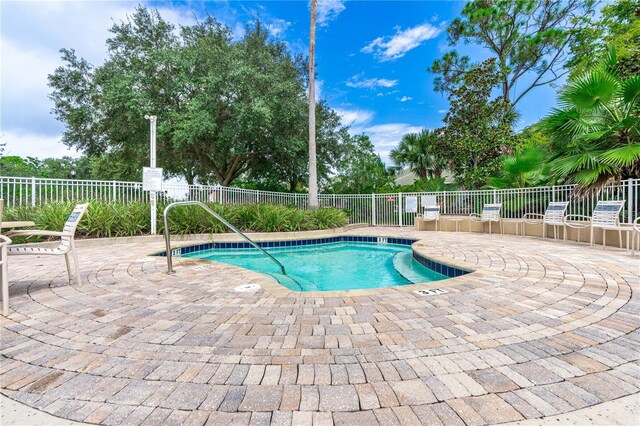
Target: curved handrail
column 167, row 237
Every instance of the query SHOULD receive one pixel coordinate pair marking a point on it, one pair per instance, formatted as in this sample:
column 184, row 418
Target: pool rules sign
column 152, row 182
column 152, row 179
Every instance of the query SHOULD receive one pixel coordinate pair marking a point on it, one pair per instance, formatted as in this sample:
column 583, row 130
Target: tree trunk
column 313, row 172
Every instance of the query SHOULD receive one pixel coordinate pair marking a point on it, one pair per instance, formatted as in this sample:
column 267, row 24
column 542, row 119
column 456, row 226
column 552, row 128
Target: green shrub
column 123, row 220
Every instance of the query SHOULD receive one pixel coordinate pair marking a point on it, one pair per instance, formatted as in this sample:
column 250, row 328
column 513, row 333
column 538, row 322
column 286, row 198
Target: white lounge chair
column 431, row 214
column 606, row 216
column 490, row 213
column 66, row 247
column 554, row 215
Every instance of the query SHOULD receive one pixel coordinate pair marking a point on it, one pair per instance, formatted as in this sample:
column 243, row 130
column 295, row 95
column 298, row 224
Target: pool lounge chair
column 490, row 213
column 66, row 247
column 606, row 216
column 431, row 214
column 554, row 215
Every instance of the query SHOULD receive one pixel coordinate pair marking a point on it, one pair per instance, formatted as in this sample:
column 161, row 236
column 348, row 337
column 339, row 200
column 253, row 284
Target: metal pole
column 152, row 160
column 630, row 200
column 373, row 209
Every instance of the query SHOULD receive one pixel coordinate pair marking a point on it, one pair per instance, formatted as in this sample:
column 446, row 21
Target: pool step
column 405, row 265
column 294, row 283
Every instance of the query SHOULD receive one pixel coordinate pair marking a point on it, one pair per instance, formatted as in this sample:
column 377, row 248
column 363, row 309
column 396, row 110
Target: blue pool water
column 332, row 266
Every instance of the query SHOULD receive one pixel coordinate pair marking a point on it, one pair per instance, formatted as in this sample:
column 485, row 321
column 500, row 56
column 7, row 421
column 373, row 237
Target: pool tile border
column 442, row 268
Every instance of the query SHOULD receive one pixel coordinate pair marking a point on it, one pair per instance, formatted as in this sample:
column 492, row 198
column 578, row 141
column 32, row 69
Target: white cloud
column 328, row 10
column 384, row 137
column 31, row 52
column 394, row 47
column 405, row 98
column 278, row 26
column 359, row 81
column 355, row 118
column 35, row 145
column 442, row 111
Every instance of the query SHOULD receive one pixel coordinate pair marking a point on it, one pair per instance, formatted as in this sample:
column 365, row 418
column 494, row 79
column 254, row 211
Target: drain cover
column 430, row 292
column 247, row 287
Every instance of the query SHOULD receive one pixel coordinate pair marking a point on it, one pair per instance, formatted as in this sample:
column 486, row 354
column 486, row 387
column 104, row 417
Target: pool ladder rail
column 167, row 236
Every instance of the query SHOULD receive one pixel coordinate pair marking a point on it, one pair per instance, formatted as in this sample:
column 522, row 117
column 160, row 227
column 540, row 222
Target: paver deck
column 539, row 328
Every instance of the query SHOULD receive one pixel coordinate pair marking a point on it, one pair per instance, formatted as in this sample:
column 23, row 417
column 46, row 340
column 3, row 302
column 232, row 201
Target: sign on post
column 152, row 179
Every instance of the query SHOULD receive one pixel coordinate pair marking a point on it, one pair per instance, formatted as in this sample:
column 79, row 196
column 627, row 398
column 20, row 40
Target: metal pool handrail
column 167, row 237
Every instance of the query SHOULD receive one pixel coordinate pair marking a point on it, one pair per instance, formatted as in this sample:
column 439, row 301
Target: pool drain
column 430, row 292
column 247, row 287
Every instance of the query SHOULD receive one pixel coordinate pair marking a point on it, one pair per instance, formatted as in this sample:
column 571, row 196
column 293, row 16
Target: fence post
column 373, row 209
column 630, row 200
column 33, row 191
column 495, row 196
column 113, row 191
column 400, row 208
column 553, row 193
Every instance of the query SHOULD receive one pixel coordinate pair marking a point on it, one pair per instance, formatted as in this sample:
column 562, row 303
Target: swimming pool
column 338, row 263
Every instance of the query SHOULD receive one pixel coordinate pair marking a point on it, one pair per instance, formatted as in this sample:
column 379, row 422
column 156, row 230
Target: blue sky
column 372, row 59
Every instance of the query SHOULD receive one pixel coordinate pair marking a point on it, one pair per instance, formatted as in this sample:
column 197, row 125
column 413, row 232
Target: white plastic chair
column 431, row 214
column 554, row 215
column 606, row 216
column 66, row 247
column 490, row 213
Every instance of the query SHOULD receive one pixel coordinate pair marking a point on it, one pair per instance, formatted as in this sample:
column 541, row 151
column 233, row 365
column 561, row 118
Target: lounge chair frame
column 554, row 215
column 490, row 213
column 66, row 246
column 431, row 214
column 606, row 216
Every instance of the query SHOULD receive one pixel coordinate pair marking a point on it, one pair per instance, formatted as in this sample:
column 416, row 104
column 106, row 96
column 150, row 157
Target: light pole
column 152, row 163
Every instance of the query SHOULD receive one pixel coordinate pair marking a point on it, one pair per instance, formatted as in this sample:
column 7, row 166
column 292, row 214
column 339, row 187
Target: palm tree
column 526, row 167
column 313, row 167
column 596, row 131
column 418, row 151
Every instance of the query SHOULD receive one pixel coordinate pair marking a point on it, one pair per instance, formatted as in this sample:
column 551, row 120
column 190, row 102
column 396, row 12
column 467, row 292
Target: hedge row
column 123, row 220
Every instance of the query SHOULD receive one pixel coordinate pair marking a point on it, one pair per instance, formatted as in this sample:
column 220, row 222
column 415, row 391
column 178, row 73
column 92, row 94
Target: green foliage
column 360, row 170
column 527, row 38
column 617, row 26
column 427, row 185
column 55, row 168
column 419, row 152
column 595, row 132
column 526, row 167
column 225, row 107
column 125, row 220
column 477, row 128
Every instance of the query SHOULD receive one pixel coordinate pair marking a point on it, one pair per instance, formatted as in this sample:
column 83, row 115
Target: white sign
column 152, row 179
column 411, row 204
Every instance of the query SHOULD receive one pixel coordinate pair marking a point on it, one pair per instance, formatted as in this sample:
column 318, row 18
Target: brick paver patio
column 540, row 328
